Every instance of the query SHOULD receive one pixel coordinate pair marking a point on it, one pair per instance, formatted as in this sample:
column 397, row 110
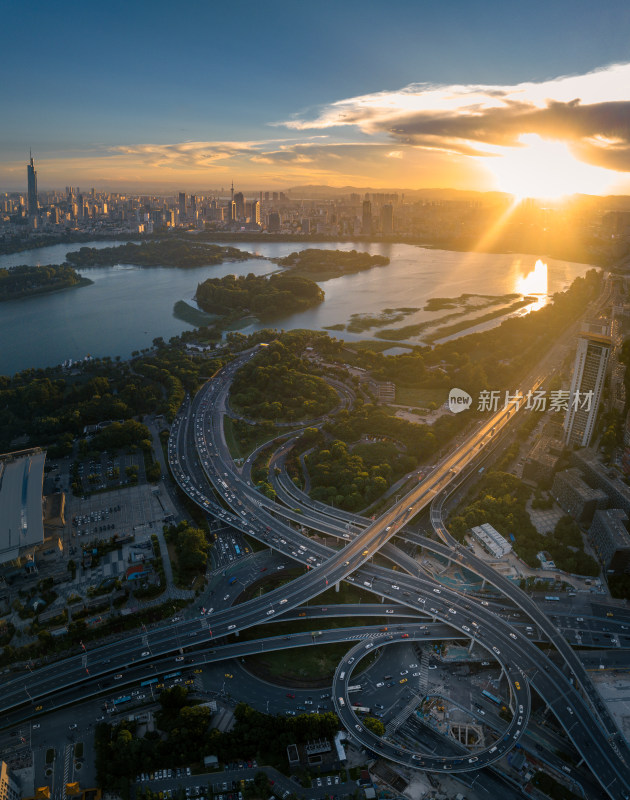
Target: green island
column 23, row 281
column 281, row 293
column 321, row 265
column 362, row 322
column 456, row 327
column 467, row 301
column 193, row 316
column 415, row 329
column 160, row 253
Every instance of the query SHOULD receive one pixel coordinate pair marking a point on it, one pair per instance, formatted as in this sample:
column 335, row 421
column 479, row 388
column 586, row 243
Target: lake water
column 127, row 306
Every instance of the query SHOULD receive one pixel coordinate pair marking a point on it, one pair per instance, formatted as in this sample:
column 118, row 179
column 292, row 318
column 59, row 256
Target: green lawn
column 419, row 398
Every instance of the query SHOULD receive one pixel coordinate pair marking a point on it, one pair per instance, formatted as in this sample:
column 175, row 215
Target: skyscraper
column 387, row 219
column 239, row 199
column 593, row 350
column 182, row 206
column 31, row 177
column 366, row 222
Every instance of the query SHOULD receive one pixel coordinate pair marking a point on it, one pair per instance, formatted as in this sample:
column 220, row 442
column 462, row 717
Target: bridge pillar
column 337, row 586
column 472, row 644
column 483, row 584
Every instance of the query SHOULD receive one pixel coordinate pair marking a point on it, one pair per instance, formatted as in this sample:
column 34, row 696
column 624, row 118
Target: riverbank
column 572, row 253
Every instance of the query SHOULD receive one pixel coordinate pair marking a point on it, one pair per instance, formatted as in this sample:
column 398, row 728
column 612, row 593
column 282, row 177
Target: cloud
column 589, row 112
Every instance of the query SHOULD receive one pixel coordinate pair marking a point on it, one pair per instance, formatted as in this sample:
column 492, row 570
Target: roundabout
column 464, row 762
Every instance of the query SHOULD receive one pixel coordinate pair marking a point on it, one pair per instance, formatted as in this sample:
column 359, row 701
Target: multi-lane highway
column 201, row 465
column 576, row 713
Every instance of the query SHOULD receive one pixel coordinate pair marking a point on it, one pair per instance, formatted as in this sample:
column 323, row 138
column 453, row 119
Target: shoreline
column 592, row 259
column 39, row 292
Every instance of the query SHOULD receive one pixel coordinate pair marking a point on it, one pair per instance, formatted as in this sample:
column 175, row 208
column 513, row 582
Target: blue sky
column 115, row 94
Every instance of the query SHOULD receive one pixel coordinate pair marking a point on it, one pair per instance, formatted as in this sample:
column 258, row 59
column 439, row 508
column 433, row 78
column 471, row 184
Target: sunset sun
column 545, row 169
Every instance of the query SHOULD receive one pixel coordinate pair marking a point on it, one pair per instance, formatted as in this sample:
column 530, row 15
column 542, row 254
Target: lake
column 127, row 306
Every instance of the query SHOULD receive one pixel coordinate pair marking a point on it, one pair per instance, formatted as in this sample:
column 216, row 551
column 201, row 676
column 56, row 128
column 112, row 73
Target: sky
column 528, row 98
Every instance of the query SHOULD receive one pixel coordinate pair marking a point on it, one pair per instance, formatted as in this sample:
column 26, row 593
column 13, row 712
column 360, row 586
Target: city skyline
column 403, row 97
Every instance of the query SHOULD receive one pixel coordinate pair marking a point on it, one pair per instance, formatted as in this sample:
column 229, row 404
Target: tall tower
column 387, row 219
column 239, row 199
column 366, row 221
column 182, row 206
column 31, row 177
column 593, row 350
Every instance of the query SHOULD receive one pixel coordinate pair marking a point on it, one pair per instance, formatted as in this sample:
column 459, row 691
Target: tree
column 375, row 725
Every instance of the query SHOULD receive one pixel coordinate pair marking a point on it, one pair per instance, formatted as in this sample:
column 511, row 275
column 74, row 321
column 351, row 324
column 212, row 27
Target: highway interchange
column 200, row 462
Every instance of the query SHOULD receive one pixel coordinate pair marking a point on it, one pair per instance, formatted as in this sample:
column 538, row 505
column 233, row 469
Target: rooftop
column 21, row 514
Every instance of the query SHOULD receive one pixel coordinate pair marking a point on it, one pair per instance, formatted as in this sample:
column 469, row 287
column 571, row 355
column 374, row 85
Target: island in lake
column 280, row 294
column 321, row 265
column 23, row 281
column 161, row 253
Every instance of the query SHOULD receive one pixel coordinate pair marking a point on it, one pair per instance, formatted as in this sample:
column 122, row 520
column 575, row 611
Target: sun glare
column 534, row 283
column 545, row 169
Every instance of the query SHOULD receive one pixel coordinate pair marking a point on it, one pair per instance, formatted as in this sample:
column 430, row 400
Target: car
column 432, row 666
column 179, row 658
column 389, row 611
column 484, row 603
column 405, row 636
column 73, row 726
column 404, row 672
column 271, row 611
column 380, row 684
column 403, row 680
column 292, row 696
column 517, row 685
column 118, row 677
column 38, row 708
column 35, row 726
column 437, row 591
column 229, row 675
column 394, row 586
column 145, row 653
column 365, row 552
column 497, row 651
column 231, row 627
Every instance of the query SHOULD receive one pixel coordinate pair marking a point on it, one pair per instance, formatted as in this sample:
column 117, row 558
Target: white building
column 492, row 540
column 589, row 371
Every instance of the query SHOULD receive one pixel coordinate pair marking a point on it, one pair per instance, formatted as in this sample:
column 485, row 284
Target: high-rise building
column 240, row 205
column 9, row 788
column 387, row 219
column 593, row 350
column 255, row 216
column 182, row 206
column 31, row 177
column 273, row 223
column 366, row 222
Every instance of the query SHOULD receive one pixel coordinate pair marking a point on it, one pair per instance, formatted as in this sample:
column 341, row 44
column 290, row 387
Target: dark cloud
column 570, row 121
